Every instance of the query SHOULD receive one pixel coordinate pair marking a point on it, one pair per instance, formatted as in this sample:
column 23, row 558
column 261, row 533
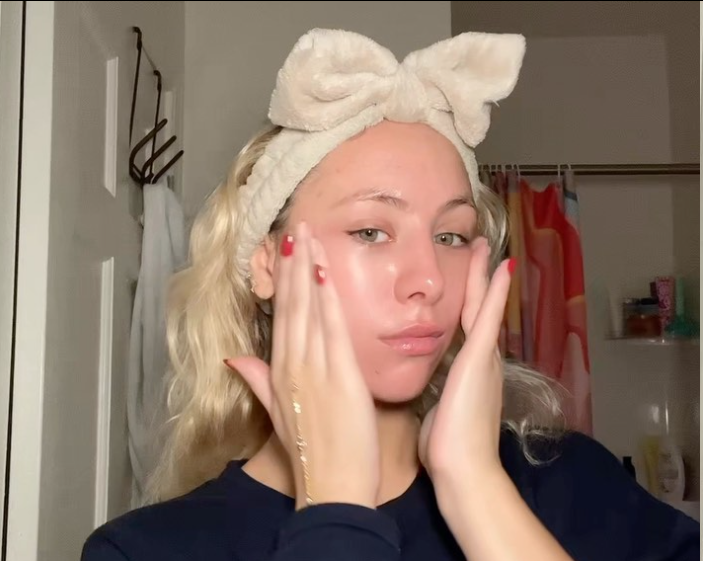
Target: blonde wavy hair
column 214, row 417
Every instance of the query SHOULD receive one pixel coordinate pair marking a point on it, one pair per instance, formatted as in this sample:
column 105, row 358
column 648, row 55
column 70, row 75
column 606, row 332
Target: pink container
column 665, row 287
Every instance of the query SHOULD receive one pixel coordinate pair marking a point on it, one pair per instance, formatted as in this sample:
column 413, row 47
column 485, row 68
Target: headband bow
column 330, row 76
column 334, row 84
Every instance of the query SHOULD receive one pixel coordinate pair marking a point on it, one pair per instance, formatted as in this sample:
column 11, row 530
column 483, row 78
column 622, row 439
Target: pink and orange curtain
column 545, row 321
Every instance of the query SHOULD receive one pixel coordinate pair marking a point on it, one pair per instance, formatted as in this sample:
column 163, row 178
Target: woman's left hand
column 459, row 438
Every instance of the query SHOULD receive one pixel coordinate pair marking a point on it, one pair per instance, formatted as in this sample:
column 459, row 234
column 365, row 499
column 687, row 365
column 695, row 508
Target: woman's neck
column 398, row 431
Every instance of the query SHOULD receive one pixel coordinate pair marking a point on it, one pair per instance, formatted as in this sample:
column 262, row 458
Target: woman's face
column 392, row 208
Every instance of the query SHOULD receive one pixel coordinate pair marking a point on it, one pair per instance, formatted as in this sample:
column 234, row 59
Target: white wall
column 674, row 23
column 234, row 49
column 586, row 100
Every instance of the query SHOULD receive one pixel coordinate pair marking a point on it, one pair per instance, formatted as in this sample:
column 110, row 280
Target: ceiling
column 571, row 19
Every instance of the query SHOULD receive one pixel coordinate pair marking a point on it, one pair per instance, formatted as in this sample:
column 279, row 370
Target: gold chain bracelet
column 301, row 445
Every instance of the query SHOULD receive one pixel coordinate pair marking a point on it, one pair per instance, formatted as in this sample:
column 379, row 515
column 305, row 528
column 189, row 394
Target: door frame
column 11, row 70
column 24, row 466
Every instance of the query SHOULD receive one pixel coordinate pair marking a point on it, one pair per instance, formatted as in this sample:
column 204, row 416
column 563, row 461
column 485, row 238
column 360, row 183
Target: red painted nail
column 320, row 274
column 287, row 246
column 512, row 263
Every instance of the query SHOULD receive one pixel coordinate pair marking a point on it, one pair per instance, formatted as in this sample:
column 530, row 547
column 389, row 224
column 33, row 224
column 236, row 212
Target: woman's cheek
column 347, row 263
column 364, row 282
column 455, row 269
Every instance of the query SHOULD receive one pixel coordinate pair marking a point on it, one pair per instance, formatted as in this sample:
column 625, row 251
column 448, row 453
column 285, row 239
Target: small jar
column 629, row 309
column 645, row 322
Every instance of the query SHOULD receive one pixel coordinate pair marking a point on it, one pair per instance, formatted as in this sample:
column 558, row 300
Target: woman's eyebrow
column 375, row 195
column 394, row 200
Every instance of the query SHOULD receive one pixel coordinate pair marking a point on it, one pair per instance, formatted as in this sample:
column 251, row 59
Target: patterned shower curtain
column 545, row 320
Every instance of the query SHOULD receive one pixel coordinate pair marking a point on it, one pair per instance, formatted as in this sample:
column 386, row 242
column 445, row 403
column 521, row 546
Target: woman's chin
column 398, row 389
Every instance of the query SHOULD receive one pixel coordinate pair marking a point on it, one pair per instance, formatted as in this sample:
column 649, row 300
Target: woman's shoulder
column 550, row 451
column 174, row 529
column 546, row 457
column 587, row 499
column 559, row 465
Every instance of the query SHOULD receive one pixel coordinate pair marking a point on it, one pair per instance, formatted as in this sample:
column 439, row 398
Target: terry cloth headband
column 334, row 84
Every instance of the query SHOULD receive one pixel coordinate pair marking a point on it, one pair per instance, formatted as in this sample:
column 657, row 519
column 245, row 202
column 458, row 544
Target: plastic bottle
column 671, row 477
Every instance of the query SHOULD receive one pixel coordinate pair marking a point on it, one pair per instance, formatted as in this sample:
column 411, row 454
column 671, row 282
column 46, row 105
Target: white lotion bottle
column 671, row 476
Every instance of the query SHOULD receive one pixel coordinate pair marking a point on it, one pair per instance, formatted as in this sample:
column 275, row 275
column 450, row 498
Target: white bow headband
column 334, row 84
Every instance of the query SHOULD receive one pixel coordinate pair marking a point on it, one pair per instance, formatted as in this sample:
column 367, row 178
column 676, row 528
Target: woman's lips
column 415, row 340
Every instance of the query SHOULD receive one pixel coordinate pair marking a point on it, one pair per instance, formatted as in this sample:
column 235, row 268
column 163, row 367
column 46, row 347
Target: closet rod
column 600, row 169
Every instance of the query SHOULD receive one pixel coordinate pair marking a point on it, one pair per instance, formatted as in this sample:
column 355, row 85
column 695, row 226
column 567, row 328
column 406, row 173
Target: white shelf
column 656, row 341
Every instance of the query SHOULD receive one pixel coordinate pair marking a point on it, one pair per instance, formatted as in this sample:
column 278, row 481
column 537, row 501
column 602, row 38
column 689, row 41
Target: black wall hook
column 145, row 174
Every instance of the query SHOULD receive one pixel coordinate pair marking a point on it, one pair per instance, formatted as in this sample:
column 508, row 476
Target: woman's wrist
column 491, row 521
column 333, row 491
column 462, row 491
column 471, row 508
column 355, row 499
column 452, row 481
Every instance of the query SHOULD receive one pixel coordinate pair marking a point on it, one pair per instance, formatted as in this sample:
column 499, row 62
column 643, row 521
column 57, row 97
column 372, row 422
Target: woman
column 348, row 273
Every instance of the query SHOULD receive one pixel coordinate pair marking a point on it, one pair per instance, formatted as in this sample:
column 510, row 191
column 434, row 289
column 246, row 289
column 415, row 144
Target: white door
column 10, row 66
column 78, row 250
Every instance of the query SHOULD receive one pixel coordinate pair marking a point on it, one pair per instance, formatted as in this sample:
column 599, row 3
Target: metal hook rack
column 145, row 174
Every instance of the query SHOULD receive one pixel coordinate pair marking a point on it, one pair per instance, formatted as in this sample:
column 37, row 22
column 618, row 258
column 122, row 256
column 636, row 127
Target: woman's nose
column 419, row 275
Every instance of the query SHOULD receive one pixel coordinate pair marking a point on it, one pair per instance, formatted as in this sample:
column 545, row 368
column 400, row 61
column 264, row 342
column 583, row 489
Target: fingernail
column 225, row 361
column 512, row 263
column 287, row 246
column 320, row 274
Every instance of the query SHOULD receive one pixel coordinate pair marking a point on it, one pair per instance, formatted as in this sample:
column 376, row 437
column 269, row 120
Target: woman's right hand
column 313, row 390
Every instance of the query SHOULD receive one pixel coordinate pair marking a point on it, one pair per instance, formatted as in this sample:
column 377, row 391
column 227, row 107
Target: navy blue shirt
column 586, row 499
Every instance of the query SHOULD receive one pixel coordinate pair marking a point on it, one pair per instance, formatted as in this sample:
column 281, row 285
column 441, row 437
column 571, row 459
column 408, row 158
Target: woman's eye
column 451, row 239
column 371, row 235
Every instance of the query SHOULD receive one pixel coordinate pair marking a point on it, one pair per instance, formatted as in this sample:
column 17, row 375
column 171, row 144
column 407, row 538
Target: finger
column 256, row 374
column 476, row 283
column 486, row 330
column 298, row 305
column 280, row 301
column 316, row 345
column 338, row 347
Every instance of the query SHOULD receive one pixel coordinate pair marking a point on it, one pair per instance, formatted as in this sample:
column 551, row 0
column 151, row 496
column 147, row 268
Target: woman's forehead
column 405, row 161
